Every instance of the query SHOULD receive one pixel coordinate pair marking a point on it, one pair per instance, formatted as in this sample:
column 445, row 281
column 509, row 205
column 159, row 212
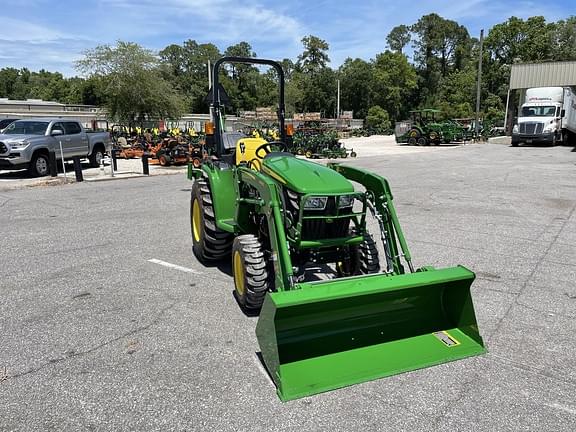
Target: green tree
column 517, row 40
column 315, row 55
column 9, row 79
column 457, row 94
column 356, row 86
column 377, row 118
column 399, row 37
column 395, row 80
column 242, row 79
column 313, row 82
column 441, row 47
column 186, row 67
column 133, row 85
column 564, row 40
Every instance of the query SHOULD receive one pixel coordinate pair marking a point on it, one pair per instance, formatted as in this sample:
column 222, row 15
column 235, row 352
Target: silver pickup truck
column 27, row 143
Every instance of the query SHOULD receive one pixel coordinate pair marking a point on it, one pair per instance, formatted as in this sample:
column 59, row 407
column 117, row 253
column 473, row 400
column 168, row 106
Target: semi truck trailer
column 547, row 116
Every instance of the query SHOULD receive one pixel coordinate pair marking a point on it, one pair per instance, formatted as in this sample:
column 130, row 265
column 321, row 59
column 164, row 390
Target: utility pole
column 477, row 125
column 338, row 101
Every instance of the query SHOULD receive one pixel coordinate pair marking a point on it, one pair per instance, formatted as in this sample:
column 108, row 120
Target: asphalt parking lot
column 96, row 336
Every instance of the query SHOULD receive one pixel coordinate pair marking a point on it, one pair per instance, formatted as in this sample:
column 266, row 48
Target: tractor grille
column 318, row 229
column 531, row 128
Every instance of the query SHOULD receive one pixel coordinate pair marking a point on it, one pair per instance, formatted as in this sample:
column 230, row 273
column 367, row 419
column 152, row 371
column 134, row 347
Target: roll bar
column 216, row 99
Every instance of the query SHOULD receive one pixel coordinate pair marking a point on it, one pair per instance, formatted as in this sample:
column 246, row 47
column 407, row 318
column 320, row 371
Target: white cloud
column 214, row 20
column 12, row 29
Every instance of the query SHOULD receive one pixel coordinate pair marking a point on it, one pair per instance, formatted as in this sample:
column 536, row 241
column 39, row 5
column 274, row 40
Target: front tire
column 40, row 165
column 164, row 160
column 209, row 243
column 367, row 259
column 251, row 282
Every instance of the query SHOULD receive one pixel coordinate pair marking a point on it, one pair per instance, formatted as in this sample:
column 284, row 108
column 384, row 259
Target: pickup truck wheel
column 96, row 157
column 40, row 165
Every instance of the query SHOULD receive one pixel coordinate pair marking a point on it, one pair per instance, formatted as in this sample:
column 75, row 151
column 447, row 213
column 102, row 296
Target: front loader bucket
column 331, row 334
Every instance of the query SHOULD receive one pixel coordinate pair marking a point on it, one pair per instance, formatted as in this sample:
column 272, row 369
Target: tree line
column 136, row 83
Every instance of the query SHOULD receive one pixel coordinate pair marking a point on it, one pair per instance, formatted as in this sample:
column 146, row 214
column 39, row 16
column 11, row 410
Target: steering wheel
column 268, row 148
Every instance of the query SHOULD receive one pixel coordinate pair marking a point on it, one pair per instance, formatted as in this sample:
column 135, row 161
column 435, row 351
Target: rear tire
column 96, row 157
column 422, row 141
column 209, row 243
column 251, row 282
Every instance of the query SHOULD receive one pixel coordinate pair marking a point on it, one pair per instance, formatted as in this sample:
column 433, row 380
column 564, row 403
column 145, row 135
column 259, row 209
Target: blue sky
column 52, row 34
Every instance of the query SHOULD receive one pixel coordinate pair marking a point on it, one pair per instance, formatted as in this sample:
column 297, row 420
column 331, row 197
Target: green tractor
column 424, row 129
column 335, row 306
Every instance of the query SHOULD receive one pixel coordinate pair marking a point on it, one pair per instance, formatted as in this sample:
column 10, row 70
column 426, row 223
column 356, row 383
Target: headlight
column 19, row 146
column 345, row 201
column 315, row 203
column 515, row 129
column 550, row 127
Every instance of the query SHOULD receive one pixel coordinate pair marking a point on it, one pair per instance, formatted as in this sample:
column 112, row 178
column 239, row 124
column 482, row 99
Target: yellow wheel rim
column 308, row 154
column 196, row 220
column 239, row 273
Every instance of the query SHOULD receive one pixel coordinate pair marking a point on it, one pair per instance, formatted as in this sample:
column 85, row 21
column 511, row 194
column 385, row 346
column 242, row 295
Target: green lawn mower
column 333, row 310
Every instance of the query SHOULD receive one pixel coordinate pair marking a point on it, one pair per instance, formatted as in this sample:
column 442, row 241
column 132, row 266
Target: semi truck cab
column 543, row 117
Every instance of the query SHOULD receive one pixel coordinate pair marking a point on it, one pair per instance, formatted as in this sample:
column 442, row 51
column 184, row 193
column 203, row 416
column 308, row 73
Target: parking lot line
column 173, row 266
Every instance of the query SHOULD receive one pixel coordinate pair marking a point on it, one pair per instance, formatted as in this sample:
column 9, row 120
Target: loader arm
column 380, row 194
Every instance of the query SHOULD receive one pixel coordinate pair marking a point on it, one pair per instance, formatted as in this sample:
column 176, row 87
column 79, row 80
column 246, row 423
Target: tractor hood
column 303, row 176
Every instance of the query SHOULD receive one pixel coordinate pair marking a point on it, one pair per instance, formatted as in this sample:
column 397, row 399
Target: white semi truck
column 548, row 115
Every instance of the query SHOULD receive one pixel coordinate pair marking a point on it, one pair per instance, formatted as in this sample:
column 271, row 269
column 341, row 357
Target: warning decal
column 445, row 338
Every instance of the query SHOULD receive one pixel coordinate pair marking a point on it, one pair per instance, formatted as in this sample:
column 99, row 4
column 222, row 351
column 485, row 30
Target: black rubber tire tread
column 214, row 244
column 367, row 256
column 92, row 158
column 32, row 171
column 256, row 280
